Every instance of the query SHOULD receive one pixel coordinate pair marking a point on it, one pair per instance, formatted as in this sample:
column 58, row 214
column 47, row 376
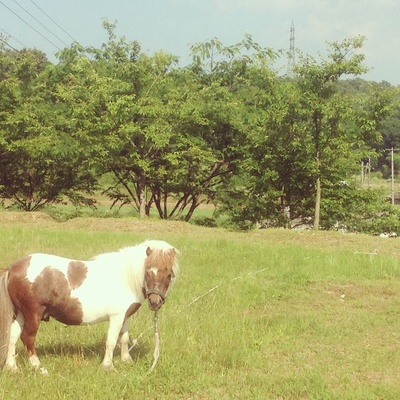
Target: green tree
column 199, row 163
column 39, row 162
column 116, row 97
column 303, row 135
column 244, row 71
column 161, row 131
column 328, row 110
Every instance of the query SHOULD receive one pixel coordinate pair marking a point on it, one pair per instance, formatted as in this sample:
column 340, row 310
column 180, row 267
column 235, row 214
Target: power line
column 44, row 37
column 48, row 30
column 13, row 37
column 52, row 20
column 7, row 44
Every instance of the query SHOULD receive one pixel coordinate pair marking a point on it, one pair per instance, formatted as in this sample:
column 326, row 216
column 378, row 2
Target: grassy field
column 296, row 315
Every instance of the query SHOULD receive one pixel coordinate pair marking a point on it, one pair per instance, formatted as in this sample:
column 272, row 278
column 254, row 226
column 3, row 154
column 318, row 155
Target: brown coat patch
column 18, row 285
column 51, row 289
column 48, row 295
column 132, row 309
column 77, row 271
column 19, row 268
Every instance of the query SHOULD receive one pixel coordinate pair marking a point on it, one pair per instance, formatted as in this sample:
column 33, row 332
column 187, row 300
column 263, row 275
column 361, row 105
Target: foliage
column 326, row 112
column 381, row 113
column 226, row 129
column 352, row 209
column 150, row 124
column 306, row 137
column 40, row 162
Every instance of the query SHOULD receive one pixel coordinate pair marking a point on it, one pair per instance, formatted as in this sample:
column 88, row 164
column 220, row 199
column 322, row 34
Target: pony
column 110, row 287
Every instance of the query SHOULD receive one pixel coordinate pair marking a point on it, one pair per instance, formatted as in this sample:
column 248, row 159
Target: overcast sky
column 173, row 25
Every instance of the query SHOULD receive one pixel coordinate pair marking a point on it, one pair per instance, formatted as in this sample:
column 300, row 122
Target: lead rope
column 156, row 353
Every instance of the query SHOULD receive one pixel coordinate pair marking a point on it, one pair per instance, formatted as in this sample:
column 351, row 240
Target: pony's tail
column 6, row 318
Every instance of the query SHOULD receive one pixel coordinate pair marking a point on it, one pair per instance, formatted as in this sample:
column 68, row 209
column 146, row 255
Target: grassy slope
column 311, row 316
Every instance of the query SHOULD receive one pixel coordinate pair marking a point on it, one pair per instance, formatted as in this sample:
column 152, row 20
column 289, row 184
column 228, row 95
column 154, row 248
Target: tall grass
column 292, row 316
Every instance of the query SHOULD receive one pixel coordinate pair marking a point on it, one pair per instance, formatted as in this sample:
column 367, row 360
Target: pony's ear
column 148, row 251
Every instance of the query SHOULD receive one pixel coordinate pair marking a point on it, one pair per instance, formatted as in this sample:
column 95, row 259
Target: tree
column 304, row 135
column 116, row 96
column 328, row 109
column 243, row 70
column 198, row 164
column 39, row 162
column 163, row 133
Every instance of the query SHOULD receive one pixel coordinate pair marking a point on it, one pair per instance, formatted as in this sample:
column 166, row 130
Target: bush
column 357, row 210
column 209, row 222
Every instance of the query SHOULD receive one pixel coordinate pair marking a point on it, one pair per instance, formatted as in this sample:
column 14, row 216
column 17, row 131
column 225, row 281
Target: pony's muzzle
column 155, row 298
column 155, row 301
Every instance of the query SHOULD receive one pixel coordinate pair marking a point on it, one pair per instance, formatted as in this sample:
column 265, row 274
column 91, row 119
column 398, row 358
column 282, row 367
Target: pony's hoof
column 108, row 367
column 11, row 368
column 43, row 371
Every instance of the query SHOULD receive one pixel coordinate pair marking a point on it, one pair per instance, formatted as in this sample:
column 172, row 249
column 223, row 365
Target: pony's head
column 160, row 271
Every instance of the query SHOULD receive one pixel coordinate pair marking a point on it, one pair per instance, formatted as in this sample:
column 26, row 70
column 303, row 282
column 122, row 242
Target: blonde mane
column 135, row 260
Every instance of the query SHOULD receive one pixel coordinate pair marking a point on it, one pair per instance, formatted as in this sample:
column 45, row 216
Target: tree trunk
column 317, row 126
column 317, row 203
column 193, row 207
column 317, row 194
column 142, row 200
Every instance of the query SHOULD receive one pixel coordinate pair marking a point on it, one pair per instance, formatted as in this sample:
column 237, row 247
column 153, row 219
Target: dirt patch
column 127, row 225
column 357, row 291
column 11, row 217
column 364, row 245
column 101, row 224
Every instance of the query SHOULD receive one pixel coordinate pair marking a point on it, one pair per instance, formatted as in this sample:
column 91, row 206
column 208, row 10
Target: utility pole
column 291, row 56
column 392, row 173
column 366, row 171
column 392, row 150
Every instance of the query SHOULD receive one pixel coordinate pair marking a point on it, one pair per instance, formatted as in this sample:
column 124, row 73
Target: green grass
column 296, row 315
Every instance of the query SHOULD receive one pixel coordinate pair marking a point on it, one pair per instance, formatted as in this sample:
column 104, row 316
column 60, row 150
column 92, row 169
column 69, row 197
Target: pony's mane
column 132, row 259
column 164, row 250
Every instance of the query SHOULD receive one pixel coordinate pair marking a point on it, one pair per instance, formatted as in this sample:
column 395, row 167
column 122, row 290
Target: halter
column 157, row 292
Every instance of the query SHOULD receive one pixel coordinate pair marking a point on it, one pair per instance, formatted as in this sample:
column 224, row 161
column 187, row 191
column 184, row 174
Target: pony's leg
column 28, row 337
column 16, row 329
column 114, row 330
column 124, row 342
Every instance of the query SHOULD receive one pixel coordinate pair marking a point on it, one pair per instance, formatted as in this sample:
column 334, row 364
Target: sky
column 174, row 25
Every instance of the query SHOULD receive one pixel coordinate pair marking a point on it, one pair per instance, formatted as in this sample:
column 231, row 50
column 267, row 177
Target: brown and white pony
column 110, row 287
